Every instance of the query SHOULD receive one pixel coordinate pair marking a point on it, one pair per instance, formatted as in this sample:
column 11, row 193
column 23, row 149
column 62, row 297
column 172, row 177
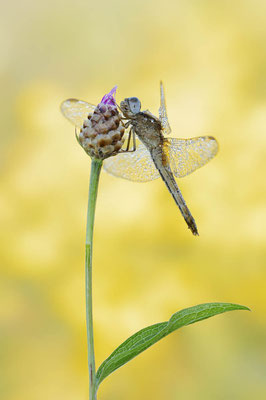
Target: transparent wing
column 163, row 113
column 76, row 111
column 136, row 166
column 187, row 155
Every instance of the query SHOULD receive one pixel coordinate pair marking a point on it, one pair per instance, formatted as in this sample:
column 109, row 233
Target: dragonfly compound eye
column 134, row 105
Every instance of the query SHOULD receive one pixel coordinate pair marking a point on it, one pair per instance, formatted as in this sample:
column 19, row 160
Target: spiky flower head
column 102, row 133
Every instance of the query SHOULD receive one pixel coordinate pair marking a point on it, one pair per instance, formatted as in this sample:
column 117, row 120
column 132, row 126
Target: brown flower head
column 102, row 133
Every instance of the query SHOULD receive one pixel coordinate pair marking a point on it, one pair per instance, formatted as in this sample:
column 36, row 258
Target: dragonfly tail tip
column 194, row 230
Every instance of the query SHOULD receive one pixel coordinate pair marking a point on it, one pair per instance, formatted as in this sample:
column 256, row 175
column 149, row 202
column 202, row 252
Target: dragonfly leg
column 77, row 134
column 131, row 133
column 126, row 125
column 134, row 141
column 128, row 141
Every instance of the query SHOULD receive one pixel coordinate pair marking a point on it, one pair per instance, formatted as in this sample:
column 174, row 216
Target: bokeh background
column 211, row 56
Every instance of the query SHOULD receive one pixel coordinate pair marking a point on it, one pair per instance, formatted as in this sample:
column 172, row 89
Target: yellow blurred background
column 211, row 56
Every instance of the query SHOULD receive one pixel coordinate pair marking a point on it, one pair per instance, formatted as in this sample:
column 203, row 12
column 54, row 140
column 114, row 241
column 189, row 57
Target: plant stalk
column 96, row 166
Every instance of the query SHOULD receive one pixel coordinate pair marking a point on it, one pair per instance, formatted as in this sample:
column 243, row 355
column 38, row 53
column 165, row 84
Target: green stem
column 96, row 166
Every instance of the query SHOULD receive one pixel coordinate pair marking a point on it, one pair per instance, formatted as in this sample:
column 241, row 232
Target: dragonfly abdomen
column 159, row 159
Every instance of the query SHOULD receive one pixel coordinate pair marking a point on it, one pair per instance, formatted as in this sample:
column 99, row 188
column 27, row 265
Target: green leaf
column 146, row 337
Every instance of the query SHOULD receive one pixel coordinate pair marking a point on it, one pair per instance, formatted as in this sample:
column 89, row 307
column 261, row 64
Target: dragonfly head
column 130, row 107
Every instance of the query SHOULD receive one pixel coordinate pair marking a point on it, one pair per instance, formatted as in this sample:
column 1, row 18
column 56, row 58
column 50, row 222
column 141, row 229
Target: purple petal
column 109, row 98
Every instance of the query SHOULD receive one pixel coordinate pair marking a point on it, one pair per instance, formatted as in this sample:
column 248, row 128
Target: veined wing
column 135, row 166
column 187, row 155
column 76, row 111
column 163, row 113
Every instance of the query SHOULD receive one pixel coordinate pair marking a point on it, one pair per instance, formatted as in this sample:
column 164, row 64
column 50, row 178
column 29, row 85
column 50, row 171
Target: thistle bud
column 102, row 133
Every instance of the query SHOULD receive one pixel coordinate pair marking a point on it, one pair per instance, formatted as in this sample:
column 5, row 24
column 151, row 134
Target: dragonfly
column 153, row 154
